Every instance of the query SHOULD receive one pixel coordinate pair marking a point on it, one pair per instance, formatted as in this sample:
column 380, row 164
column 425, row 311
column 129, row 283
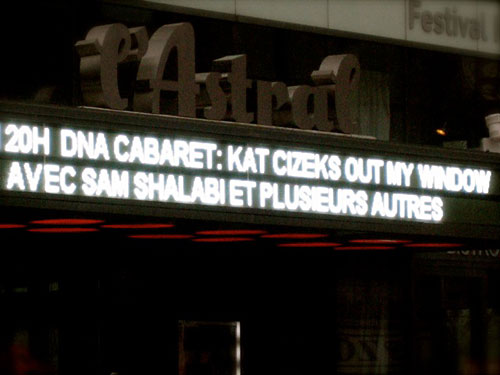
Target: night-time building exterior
column 240, row 187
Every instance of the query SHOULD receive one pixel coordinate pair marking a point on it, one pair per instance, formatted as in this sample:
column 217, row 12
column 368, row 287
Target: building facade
column 233, row 187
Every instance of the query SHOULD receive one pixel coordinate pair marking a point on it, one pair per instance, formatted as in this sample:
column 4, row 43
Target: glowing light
column 362, row 170
column 177, row 188
column 398, row 173
column 239, row 190
column 295, row 180
column 155, row 151
column 231, row 232
column 223, row 239
column 309, row 244
column 63, row 230
column 26, row 139
column 407, row 206
column 104, row 182
column 56, row 179
column 67, row 222
column 12, row 226
column 238, row 348
column 84, row 145
column 15, row 178
column 161, row 236
column 137, row 226
column 441, row 132
column 308, row 198
column 251, row 160
column 365, row 248
column 454, row 179
column 295, row 236
column 379, row 241
column 306, row 165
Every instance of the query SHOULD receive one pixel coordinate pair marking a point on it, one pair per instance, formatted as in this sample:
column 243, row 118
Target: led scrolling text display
column 67, row 161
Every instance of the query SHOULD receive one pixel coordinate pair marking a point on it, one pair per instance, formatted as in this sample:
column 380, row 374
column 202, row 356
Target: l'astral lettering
column 217, row 95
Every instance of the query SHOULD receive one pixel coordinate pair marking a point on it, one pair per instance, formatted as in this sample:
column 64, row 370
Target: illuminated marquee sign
column 167, row 168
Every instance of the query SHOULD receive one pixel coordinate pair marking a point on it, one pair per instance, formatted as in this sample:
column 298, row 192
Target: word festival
column 190, row 170
column 166, row 82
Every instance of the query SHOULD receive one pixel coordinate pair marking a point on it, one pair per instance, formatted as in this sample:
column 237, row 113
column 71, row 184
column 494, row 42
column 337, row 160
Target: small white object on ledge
column 492, row 144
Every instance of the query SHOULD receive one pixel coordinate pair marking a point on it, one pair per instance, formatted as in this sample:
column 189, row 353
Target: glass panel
column 370, row 335
column 209, row 348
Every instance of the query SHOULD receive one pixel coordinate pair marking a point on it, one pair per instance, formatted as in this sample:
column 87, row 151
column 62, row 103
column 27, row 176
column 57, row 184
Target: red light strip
column 137, row 226
column 365, row 248
column 223, row 239
column 67, row 222
column 12, row 226
column 231, row 232
column 295, row 236
column 161, row 236
column 309, row 244
column 379, row 241
column 63, row 230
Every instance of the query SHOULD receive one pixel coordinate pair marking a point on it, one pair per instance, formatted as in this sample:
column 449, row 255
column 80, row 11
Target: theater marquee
column 190, row 164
